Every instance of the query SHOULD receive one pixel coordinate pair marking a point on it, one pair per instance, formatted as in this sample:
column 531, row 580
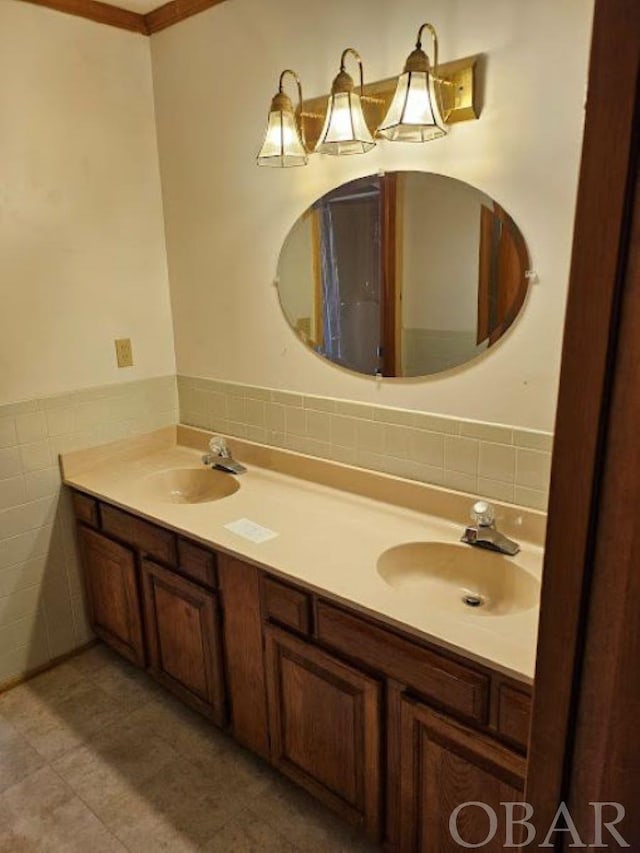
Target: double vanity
column 327, row 616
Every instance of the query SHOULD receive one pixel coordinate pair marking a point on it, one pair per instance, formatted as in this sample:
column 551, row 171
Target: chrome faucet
column 483, row 533
column 220, row 457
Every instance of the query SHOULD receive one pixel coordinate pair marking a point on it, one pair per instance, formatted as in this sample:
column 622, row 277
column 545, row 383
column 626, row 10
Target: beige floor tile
column 114, row 763
column 239, row 770
column 18, row 759
column 211, row 750
column 159, row 777
column 130, row 686
column 42, row 814
column 51, row 686
column 56, row 725
column 93, row 659
column 191, row 734
column 305, row 823
column 247, row 833
column 176, row 810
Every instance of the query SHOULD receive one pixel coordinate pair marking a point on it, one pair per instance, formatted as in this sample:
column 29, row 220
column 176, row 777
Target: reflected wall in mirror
column 402, row 274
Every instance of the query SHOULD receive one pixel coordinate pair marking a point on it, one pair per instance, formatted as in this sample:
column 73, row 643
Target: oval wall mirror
column 402, row 274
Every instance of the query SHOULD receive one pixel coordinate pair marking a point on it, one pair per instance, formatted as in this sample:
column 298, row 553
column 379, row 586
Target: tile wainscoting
column 42, row 612
column 501, row 462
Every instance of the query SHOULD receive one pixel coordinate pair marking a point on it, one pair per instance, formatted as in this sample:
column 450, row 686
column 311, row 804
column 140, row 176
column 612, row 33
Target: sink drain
column 472, row 600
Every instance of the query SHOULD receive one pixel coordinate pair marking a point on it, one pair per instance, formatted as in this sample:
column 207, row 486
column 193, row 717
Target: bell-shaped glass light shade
column 414, row 113
column 282, row 144
column 345, row 130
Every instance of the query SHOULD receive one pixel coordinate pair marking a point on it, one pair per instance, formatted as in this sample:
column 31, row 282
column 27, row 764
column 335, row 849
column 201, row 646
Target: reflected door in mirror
column 402, row 274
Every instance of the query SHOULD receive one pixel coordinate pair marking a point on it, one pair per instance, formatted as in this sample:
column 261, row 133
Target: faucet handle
column 218, row 446
column 483, row 513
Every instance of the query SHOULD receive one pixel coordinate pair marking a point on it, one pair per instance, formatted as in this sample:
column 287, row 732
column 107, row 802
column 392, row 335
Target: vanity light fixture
column 345, row 130
column 284, row 143
column 415, row 113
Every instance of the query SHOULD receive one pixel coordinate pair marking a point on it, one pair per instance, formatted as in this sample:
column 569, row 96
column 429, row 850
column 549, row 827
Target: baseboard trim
column 38, row 670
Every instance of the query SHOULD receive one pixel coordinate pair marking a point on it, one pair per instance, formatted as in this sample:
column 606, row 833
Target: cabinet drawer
column 447, row 683
column 197, row 563
column 148, row 538
column 514, row 714
column 85, row 508
column 286, row 605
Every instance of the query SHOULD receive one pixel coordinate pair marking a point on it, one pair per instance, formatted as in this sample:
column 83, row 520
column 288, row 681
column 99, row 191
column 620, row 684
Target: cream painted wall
column 226, row 219
column 82, row 252
column 441, row 242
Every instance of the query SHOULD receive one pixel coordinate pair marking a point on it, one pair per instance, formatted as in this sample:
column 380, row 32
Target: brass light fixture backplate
column 458, row 95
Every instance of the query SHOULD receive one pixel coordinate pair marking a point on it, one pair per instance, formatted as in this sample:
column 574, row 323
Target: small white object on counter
column 250, row 530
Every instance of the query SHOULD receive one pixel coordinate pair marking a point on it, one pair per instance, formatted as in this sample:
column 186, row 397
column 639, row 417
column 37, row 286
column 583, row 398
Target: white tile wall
column 42, row 612
column 490, row 460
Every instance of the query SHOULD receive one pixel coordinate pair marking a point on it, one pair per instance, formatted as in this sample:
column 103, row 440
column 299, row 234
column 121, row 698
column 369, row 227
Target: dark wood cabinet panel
column 337, row 701
column 85, row 509
column 514, row 715
column 444, row 765
column 197, row 563
column 325, row 724
column 449, row 684
column 112, row 593
column 286, row 605
column 149, row 539
column 242, row 625
column 184, row 639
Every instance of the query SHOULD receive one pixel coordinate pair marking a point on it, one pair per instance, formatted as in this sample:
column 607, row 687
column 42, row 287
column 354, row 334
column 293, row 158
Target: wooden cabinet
column 453, row 686
column 198, row 564
column 286, row 606
column 112, row 594
column 85, row 509
column 149, row 539
column 325, row 724
column 184, row 639
column 389, row 730
column 513, row 714
column 240, row 589
column 444, row 764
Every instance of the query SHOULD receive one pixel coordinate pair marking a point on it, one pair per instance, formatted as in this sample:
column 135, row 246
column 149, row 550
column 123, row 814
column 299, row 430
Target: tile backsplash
column 501, row 462
column 42, row 613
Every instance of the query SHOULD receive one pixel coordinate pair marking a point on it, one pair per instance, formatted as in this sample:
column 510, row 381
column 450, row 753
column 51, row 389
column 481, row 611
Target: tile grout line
column 75, row 794
column 35, row 524
column 505, row 463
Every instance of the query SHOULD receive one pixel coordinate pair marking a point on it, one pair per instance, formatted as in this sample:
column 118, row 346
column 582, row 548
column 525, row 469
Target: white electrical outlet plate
column 250, row 530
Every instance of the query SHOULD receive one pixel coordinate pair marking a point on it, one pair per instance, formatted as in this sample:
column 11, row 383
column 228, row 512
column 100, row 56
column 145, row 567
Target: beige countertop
column 329, row 539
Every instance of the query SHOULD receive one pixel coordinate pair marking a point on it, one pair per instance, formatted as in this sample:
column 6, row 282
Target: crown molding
column 174, row 12
column 104, row 13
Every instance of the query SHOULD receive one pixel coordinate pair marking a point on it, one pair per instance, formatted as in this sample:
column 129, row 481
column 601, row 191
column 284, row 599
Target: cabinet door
column 183, row 633
column 112, row 594
column 325, row 727
column 443, row 765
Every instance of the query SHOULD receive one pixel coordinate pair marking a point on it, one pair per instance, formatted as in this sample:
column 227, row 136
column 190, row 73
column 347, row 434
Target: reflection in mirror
column 402, row 274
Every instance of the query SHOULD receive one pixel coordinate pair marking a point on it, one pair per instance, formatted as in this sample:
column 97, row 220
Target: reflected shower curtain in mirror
column 350, row 247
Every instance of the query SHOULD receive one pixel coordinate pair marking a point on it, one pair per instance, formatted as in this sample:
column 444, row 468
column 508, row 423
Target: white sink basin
column 459, row 578
column 189, row 485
